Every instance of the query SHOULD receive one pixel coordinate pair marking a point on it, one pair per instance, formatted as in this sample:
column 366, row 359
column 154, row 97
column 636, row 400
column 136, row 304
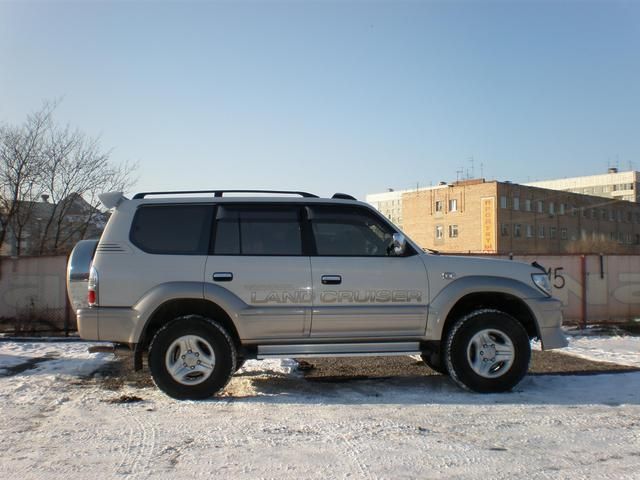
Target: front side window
column 349, row 232
column 258, row 230
column 172, row 229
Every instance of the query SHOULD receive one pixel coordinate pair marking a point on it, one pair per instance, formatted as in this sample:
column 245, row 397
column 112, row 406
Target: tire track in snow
column 140, row 446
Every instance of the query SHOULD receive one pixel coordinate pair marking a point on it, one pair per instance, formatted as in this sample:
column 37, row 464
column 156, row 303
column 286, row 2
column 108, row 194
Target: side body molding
column 446, row 298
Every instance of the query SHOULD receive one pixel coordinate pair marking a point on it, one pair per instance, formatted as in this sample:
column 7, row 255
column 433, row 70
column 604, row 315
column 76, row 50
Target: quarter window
column 172, row 229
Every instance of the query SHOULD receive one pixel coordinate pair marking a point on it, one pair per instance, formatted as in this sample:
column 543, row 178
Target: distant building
column 499, row 217
column 613, row 184
column 389, row 204
column 52, row 228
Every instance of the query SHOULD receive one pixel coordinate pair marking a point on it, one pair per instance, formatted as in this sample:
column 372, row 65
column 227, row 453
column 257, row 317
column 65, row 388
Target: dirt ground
column 120, row 373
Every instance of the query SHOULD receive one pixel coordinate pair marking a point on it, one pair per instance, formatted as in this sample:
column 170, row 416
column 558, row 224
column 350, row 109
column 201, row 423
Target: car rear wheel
column 192, row 358
column 487, row 351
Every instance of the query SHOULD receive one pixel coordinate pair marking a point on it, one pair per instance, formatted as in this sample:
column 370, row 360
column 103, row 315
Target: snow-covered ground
column 57, row 421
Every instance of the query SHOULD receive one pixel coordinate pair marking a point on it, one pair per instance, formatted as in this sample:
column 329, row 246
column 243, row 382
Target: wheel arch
column 173, row 308
column 493, row 300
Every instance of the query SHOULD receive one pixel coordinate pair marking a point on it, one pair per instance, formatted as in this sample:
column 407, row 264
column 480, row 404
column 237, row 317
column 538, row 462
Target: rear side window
column 256, row 230
column 172, row 229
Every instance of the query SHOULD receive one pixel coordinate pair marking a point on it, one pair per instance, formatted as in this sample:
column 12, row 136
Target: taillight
column 92, row 296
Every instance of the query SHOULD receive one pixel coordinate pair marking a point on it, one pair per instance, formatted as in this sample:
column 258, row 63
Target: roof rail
column 343, row 196
column 219, row 193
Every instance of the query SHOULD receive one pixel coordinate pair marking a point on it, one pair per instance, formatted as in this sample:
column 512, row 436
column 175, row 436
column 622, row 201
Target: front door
column 360, row 288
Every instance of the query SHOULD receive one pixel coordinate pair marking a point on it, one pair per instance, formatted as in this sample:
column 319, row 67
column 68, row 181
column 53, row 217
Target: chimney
column 45, row 198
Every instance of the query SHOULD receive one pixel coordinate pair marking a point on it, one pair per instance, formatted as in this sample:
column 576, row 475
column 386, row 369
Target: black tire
column 435, row 362
column 222, row 350
column 462, row 351
column 240, row 361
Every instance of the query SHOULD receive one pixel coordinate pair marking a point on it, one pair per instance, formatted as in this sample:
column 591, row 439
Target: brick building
column 500, row 217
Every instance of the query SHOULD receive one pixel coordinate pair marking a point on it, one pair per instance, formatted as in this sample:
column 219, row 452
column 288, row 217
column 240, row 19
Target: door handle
column 331, row 279
column 222, row 276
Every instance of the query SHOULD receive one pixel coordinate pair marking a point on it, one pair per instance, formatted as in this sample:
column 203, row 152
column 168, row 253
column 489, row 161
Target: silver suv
column 201, row 281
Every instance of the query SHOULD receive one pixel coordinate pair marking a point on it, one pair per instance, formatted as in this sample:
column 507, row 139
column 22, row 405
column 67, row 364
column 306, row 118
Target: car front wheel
column 487, row 351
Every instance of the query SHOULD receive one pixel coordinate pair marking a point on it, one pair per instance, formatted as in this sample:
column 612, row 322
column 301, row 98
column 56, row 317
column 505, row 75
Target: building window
column 504, row 229
column 552, row 208
column 561, row 209
column 541, row 231
column 453, row 205
column 503, row 202
column 527, row 205
column 563, row 233
column 438, row 205
column 552, row 232
column 439, row 232
column 529, row 231
column 516, row 229
column 453, row 231
column 540, row 206
column 611, row 216
column 516, row 203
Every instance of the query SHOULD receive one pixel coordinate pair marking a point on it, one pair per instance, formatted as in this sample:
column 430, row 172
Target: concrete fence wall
column 593, row 288
column 33, row 294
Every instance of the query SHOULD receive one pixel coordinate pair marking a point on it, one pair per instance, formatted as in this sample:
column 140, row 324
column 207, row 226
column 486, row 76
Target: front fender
column 441, row 305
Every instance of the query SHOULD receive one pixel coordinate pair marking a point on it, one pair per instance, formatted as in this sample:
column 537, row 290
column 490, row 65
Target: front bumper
column 548, row 312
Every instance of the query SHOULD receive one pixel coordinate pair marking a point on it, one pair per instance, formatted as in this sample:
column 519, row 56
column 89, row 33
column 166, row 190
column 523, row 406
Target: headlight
column 542, row 282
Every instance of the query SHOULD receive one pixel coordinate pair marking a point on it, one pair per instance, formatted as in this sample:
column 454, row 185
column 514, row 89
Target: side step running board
column 338, row 350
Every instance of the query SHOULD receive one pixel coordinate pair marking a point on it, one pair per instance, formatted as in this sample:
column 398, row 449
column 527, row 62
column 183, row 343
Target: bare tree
column 67, row 168
column 21, row 163
column 76, row 171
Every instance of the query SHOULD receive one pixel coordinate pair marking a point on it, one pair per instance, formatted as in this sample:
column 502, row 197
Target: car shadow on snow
column 601, row 389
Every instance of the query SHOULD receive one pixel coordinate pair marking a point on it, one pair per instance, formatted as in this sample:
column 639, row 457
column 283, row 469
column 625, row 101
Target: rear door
column 257, row 255
column 360, row 288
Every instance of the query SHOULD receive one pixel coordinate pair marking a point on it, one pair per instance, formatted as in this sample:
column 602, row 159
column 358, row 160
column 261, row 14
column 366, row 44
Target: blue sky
column 334, row 96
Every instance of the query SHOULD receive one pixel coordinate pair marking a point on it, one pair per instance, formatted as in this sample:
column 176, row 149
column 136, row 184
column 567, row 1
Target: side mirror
column 399, row 244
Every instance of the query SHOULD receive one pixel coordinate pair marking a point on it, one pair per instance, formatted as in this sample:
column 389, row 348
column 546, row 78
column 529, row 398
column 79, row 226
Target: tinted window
column 354, row 232
column 258, row 231
column 172, row 229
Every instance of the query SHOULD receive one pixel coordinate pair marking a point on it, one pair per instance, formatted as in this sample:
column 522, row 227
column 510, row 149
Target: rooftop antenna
column 458, row 173
column 473, row 171
column 481, row 170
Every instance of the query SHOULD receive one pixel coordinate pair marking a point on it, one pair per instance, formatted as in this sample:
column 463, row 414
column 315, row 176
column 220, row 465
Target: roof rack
column 219, row 193
column 343, row 196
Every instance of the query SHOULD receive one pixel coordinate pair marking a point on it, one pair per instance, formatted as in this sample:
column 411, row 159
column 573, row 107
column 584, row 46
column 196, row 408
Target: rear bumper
column 549, row 315
column 110, row 324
